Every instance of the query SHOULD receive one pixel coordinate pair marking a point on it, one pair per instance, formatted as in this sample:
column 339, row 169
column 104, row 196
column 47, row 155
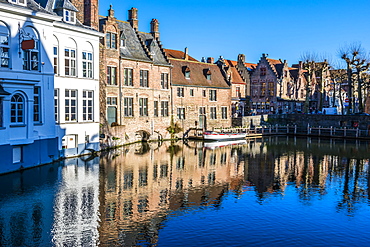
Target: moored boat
column 219, row 136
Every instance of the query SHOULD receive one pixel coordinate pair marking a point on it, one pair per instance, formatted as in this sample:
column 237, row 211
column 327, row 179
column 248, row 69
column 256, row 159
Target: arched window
column 87, row 61
column 4, row 45
column 17, row 109
column 70, row 58
column 30, row 47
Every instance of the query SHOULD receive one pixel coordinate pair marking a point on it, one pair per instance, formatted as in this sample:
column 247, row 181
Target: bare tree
column 357, row 64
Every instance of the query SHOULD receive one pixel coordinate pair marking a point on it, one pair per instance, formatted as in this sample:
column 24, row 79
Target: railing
column 295, row 130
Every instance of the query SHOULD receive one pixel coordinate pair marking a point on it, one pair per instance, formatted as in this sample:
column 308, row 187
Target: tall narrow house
column 135, row 81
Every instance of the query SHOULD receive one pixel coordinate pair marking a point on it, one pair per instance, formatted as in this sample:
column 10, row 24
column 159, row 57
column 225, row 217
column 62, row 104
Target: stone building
column 135, row 81
column 201, row 95
column 276, row 87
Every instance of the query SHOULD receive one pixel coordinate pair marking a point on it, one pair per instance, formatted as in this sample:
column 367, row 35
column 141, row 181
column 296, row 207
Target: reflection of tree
column 353, row 193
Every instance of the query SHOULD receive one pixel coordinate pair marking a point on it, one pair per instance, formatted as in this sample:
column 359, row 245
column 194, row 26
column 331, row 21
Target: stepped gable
column 276, row 66
column 177, row 55
column 133, row 48
column 153, row 48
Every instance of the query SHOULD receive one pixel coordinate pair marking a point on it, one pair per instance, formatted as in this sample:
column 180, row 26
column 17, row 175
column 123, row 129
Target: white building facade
column 27, row 129
column 49, row 83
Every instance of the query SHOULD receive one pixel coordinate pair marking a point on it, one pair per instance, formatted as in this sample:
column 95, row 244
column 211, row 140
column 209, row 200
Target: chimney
column 132, row 18
column 186, row 55
column 87, row 12
column 210, row 60
column 154, row 28
column 110, row 11
column 241, row 58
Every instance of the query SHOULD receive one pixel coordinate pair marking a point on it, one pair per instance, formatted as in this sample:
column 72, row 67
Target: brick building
column 135, row 81
column 201, row 95
column 276, row 87
column 238, row 76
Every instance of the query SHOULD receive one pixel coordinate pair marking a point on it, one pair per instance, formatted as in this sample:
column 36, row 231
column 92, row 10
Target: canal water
column 274, row 191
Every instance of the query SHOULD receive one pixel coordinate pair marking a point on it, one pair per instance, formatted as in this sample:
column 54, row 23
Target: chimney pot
column 210, row 60
column 132, row 18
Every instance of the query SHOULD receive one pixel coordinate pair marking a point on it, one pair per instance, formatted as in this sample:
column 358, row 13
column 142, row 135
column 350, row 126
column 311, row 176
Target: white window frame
column 17, row 109
column 128, row 77
column 143, row 107
column 71, row 116
column 70, row 62
column 19, row 2
column 181, row 112
column 213, row 112
column 87, row 64
column 88, row 105
column 224, row 112
column 164, row 109
column 37, row 105
column 56, row 105
column 5, row 48
column 128, row 107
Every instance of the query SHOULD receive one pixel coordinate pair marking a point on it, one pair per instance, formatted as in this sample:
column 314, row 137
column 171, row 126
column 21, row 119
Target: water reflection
column 127, row 197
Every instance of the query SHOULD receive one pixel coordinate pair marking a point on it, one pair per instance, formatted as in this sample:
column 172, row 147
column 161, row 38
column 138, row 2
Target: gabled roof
column 65, row 4
column 134, row 48
column 178, row 55
column 198, row 71
column 235, row 75
column 156, row 53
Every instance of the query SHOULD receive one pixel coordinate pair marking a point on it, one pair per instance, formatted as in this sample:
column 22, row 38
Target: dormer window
column 69, row 16
column 110, row 40
column 123, row 40
column 207, row 74
column 19, row 2
column 187, row 72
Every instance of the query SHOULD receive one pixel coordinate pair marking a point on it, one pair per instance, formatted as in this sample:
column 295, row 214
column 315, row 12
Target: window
column 19, row 2
column 143, row 107
column 224, row 112
column 37, row 104
column 55, row 56
column 263, row 89
column 212, row 95
column 181, row 113
column 238, row 95
column 202, row 110
column 56, row 105
column 180, row 92
column 271, row 88
column 192, row 92
column 111, row 100
column 17, row 154
column 144, row 75
column 4, row 46
column 31, row 55
column 204, row 93
column 155, row 108
column 127, row 73
column 87, row 105
column 69, row 16
column 164, row 80
column 164, row 108
column 71, row 105
column 111, row 75
column 207, row 73
column 187, row 72
column 110, row 39
column 213, row 112
column 87, row 64
column 262, row 71
column 123, row 40
column 128, row 107
column 1, row 112
column 70, row 62
column 17, row 109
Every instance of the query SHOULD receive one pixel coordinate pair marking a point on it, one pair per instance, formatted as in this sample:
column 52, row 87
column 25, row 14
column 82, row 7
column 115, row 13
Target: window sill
column 17, row 125
column 38, row 124
column 2, row 128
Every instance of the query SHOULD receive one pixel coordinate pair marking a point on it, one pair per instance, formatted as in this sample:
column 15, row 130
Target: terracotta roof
column 198, row 71
column 177, row 54
column 274, row 61
column 235, row 75
column 251, row 65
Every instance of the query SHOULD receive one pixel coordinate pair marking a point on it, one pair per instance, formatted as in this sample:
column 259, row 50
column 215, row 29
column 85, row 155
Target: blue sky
column 283, row 29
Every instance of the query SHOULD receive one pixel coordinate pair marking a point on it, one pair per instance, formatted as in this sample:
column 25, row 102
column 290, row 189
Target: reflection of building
column 76, row 204
column 138, row 188
column 26, row 206
column 27, row 133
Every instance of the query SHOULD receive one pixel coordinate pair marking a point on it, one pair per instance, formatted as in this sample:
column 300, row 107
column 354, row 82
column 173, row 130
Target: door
column 112, row 115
